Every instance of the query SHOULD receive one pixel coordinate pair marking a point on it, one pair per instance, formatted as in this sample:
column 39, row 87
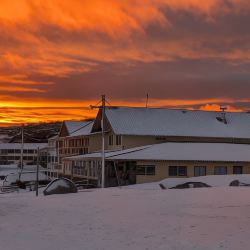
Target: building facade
column 131, row 128
column 10, row 153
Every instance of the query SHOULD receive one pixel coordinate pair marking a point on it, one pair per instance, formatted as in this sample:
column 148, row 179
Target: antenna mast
column 147, row 101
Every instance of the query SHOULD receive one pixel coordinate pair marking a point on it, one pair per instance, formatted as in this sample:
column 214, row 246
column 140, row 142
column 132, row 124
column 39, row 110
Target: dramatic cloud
column 60, row 53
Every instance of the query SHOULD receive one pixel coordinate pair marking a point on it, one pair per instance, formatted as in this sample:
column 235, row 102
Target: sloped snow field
column 127, row 218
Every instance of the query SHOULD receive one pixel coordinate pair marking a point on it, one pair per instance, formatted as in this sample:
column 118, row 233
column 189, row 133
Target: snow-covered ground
column 117, row 219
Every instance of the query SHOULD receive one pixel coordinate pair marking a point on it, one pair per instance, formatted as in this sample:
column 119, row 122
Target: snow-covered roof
column 173, row 151
column 78, row 128
column 85, row 129
column 174, row 122
column 25, row 145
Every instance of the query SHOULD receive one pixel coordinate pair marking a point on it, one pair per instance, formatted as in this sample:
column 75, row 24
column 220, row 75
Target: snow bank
column 211, row 180
column 26, row 176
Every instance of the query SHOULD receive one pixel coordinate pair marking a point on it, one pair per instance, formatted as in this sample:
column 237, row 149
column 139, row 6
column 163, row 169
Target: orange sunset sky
column 59, row 56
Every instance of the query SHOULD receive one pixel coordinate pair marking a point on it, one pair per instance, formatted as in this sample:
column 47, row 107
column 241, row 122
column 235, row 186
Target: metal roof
column 174, row 122
column 78, row 128
column 173, row 151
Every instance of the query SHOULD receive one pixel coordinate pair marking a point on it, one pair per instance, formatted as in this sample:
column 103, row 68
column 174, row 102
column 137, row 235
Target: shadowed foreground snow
column 206, row 218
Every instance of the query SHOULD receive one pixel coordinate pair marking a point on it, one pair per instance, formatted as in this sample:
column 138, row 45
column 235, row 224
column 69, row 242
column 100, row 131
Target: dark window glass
column 145, row 170
column 199, row 171
column 177, row 171
column 111, row 140
column 237, row 170
column 172, row 171
column 220, row 170
column 140, row 170
column 182, row 171
column 118, row 140
column 150, row 170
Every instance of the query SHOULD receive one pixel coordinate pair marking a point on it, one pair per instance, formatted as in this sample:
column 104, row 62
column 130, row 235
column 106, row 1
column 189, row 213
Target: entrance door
column 199, row 170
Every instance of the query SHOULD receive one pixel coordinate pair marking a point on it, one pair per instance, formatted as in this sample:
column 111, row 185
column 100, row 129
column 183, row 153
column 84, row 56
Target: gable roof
column 76, row 128
column 176, row 151
column 85, row 129
column 174, row 122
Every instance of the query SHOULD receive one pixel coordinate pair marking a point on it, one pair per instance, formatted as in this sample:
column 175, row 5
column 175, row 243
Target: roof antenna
column 223, row 109
column 147, row 101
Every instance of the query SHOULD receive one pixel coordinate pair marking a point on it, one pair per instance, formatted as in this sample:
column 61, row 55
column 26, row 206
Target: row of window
column 17, row 158
column 73, row 143
column 182, row 170
column 17, row 151
column 202, row 170
column 74, row 151
column 118, row 140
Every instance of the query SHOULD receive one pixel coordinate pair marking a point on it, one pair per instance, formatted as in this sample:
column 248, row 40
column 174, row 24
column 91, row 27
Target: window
column 237, row 169
column 177, row 171
column 182, row 171
column 86, row 142
column 199, row 171
column 172, row 171
column 118, row 140
column 220, row 170
column 145, row 170
column 160, row 138
column 111, row 140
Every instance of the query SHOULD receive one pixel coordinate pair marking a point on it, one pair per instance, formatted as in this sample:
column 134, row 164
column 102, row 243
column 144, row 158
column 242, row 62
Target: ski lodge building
column 151, row 144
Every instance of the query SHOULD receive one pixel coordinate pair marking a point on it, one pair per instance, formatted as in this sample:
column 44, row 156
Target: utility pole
column 22, row 145
column 147, row 101
column 102, row 107
column 58, row 158
column 103, row 141
column 37, row 171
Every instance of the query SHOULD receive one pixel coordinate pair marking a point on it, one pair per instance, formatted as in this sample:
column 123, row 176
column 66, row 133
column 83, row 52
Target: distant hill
column 33, row 133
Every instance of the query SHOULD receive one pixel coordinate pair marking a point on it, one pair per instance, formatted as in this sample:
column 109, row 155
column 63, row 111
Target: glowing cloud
column 189, row 53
